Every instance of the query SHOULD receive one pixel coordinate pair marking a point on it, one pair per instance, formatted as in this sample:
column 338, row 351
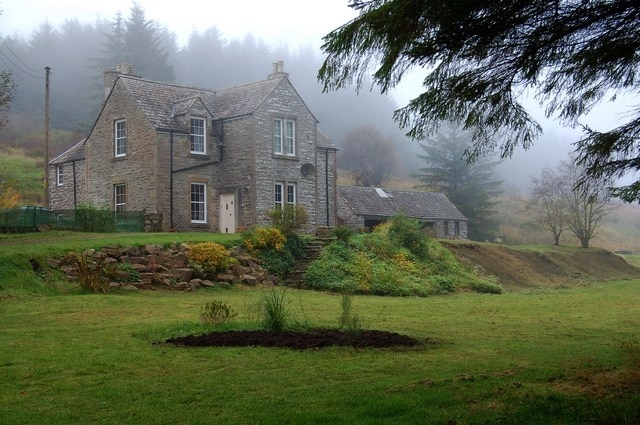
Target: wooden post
column 46, row 137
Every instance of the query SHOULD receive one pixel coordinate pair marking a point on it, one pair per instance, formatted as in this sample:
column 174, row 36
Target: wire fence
column 33, row 218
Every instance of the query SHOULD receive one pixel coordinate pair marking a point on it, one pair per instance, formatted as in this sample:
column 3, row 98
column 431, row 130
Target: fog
column 79, row 51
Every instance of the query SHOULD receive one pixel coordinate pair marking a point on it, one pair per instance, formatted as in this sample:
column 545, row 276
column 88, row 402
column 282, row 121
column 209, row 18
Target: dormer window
column 284, row 137
column 198, row 138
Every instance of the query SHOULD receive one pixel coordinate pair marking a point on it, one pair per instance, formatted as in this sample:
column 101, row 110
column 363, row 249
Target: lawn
column 569, row 356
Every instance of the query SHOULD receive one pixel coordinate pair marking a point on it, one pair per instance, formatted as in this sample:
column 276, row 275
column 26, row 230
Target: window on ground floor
column 120, row 197
column 285, row 193
column 198, row 203
column 59, row 175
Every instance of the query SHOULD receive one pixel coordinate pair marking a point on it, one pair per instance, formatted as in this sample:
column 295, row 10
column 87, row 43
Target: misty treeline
column 78, row 53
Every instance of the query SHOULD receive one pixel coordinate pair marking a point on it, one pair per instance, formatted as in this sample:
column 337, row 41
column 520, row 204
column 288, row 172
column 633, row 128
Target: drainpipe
column 192, row 167
column 75, row 189
column 171, row 179
column 326, row 182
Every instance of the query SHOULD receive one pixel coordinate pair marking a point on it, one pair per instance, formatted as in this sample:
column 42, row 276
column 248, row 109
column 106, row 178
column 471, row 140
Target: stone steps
column 312, row 252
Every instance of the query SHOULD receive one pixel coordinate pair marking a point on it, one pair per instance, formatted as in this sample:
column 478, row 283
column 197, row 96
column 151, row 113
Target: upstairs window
column 120, row 197
column 59, row 175
column 198, row 203
column 120, row 144
column 284, row 137
column 197, row 135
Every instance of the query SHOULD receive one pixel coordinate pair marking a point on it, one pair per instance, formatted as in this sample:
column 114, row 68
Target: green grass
column 23, row 173
column 56, row 242
column 536, row 357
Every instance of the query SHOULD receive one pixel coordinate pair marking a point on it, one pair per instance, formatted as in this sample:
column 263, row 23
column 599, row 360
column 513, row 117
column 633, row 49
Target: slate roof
column 324, row 141
column 74, row 153
column 161, row 101
column 367, row 201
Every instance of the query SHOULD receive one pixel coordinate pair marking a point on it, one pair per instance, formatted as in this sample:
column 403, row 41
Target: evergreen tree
column 468, row 185
column 480, row 56
column 201, row 61
column 141, row 42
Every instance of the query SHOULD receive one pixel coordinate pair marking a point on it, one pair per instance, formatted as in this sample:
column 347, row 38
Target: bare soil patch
column 523, row 268
column 313, row 338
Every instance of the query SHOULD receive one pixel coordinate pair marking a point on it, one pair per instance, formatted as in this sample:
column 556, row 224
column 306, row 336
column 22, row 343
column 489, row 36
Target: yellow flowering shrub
column 209, row 256
column 402, row 260
column 259, row 238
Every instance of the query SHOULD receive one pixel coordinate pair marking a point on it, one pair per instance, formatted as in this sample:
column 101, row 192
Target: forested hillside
column 79, row 52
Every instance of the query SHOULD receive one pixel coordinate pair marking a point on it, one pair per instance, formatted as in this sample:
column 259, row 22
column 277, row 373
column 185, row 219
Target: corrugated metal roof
column 366, row 201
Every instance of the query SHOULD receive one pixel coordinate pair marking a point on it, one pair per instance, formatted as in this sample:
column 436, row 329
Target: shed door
column 227, row 213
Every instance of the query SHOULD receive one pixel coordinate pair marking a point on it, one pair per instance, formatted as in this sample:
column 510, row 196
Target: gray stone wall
column 285, row 104
column 62, row 197
column 237, row 172
column 346, row 216
column 137, row 170
column 326, row 187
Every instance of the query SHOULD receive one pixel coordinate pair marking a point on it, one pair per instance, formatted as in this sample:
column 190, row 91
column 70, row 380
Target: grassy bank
column 545, row 356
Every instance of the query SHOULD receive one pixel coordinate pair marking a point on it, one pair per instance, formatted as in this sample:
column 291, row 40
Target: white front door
column 227, row 213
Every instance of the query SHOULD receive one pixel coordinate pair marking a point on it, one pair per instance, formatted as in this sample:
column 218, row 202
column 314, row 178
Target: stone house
column 213, row 160
column 369, row 206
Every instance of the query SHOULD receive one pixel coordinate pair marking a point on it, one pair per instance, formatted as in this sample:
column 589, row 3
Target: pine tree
column 468, row 185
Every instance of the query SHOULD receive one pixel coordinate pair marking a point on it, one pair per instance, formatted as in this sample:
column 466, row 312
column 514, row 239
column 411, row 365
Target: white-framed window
column 120, row 197
column 198, row 203
column 284, row 137
column 59, row 175
column 197, row 135
column 291, row 193
column 285, row 193
column 120, row 141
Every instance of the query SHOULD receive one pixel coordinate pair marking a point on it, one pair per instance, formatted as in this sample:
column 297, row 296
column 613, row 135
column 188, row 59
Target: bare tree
column 564, row 198
column 369, row 156
column 548, row 203
column 587, row 201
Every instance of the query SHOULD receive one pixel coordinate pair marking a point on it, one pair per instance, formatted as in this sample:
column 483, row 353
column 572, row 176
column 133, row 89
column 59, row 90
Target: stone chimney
column 278, row 70
column 110, row 76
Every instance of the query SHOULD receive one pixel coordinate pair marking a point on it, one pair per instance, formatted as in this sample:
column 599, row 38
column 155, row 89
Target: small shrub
column 91, row 272
column 256, row 239
column 274, row 310
column 349, row 321
column 343, row 234
column 443, row 284
column 122, row 272
column 209, row 256
column 92, row 219
column 216, row 313
column 407, row 233
column 278, row 263
column 295, row 245
column 289, row 218
column 485, row 287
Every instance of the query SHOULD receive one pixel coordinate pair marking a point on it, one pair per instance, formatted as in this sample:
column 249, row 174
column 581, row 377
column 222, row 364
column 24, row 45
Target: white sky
column 276, row 22
column 291, row 23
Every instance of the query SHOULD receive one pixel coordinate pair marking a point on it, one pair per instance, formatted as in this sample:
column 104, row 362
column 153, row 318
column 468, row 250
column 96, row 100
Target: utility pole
column 46, row 137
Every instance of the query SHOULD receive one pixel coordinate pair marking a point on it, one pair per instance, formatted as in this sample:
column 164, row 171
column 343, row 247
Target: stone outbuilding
column 213, row 160
column 369, row 206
